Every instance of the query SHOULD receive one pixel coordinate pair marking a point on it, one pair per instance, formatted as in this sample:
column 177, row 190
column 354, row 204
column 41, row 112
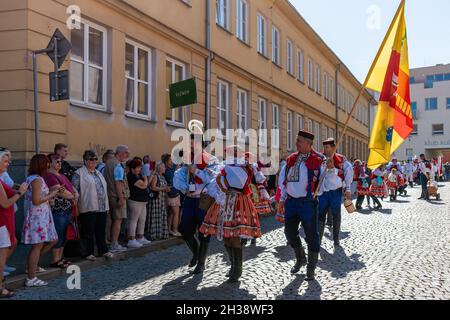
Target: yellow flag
column 389, row 75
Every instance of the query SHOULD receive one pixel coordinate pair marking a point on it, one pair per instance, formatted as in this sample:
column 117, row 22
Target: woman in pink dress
column 38, row 228
column 8, row 197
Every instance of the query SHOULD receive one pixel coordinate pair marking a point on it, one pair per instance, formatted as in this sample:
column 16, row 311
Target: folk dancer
column 299, row 179
column 338, row 178
column 233, row 217
column 362, row 178
column 378, row 187
column 425, row 171
column 191, row 181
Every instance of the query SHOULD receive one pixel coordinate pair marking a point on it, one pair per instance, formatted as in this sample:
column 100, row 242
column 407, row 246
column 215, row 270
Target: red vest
column 313, row 164
column 205, row 161
column 338, row 160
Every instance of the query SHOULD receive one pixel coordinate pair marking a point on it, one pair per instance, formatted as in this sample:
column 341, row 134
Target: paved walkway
column 400, row 252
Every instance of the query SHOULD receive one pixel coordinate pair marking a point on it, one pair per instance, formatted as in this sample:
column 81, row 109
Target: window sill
column 263, row 56
column 139, row 117
column 277, row 65
column 174, row 124
column 291, row 74
column 224, row 29
column 90, row 106
column 244, row 42
column 187, row 3
column 301, row 81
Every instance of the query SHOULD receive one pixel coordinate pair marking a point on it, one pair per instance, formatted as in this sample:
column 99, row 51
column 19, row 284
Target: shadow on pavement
column 338, row 263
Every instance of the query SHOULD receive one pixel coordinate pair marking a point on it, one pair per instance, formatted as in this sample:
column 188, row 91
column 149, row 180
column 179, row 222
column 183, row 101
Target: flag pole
column 363, row 87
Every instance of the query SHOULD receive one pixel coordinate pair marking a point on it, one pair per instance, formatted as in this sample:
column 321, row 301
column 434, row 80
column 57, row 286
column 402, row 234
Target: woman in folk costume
column 259, row 194
column 233, row 217
column 393, row 183
column 362, row 189
column 378, row 187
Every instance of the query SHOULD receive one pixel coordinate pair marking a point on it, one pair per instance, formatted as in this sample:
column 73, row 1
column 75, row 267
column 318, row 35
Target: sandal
column 6, row 294
column 60, row 264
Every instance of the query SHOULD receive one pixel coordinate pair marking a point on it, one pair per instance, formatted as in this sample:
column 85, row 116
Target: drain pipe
column 336, row 96
column 208, row 65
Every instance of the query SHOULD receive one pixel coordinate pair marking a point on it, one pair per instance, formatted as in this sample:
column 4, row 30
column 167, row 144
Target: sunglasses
column 57, row 161
column 93, row 159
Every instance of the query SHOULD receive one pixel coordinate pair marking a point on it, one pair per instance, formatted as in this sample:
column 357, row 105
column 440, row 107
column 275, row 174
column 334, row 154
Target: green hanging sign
column 183, row 93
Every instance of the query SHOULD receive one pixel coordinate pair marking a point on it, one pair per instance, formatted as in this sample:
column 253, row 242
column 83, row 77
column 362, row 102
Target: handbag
column 206, row 201
column 73, row 233
column 153, row 195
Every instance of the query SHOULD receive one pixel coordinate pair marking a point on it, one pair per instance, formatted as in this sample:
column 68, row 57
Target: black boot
column 313, row 257
column 321, row 230
column 336, row 231
column 237, row 263
column 202, row 252
column 329, row 219
column 378, row 203
column 359, row 202
column 301, row 260
column 193, row 246
column 230, row 255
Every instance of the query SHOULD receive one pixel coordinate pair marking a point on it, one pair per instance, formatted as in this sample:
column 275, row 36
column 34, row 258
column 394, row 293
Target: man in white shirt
column 409, row 172
column 299, row 179
column 338, row 177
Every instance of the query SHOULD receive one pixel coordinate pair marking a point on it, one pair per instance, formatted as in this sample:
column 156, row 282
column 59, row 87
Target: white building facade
column 430, row 103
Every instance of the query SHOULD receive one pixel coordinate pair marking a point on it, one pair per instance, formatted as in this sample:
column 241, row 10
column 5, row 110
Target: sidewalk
column 18, row 281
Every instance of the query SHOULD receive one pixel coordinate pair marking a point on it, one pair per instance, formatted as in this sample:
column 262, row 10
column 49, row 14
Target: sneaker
column 177, row 234
column 91, row 258
column 144, row 241
column 134, row 244
column 35, row 283
column 6, row 273
column 9, row 269
column 117, row 248
column 109, row 255
column 38, row 270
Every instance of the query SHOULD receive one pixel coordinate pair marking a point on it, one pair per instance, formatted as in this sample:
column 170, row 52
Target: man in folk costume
column 191, row 180
column 409, row 173
column 299, row 179
column 233, row 216
column 338, row 178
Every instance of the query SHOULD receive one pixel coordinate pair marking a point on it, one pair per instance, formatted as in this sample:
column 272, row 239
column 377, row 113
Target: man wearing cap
column 191, row 181
column 118, row 193
column 338, row 177
column 299, row 179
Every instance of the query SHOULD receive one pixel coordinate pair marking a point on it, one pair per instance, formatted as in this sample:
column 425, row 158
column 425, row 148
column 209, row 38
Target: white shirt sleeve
column 281, row 183
column 348, row 175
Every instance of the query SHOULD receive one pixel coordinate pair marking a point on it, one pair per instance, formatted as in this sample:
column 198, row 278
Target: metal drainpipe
column 208, row 65
column 336, row 96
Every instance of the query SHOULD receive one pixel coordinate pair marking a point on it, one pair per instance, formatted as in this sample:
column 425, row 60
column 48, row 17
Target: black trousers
column 92, row 226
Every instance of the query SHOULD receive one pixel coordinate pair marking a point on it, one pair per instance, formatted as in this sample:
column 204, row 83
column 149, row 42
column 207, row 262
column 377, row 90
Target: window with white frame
column 438, row 129
column 318, row 80
column 318, row 134
column 262, row 35
column 331, row 134
column 300, row 65
column 138, row 89
column 332, row 89
column 175, row 72
column 350, row 102
column 310, row 74
column 276, row 126
column 262, row 121
column 325, row 81
column 276, row 45
column 223, row 106
column 289, row 131
column 242, row 111
column 309, row 125
column 242, row 20
column 222, row 13
column 300, row 122
column 289, row 57
column 88, row 66
column 325, row 132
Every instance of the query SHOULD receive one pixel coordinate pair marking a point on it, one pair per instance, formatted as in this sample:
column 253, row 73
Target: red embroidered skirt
column 244, row 223
column 378, row 190
column 361, row 191
column 392, row 185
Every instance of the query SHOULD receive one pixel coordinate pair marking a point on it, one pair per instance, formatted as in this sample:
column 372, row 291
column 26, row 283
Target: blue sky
column 353, row 31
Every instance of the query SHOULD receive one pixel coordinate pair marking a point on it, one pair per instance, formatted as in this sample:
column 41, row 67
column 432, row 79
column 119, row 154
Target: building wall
column 425, row 141
column 171, row 29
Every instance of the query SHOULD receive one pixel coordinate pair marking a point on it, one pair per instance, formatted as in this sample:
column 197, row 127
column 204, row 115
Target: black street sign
column 59, row 85
column 63, row 48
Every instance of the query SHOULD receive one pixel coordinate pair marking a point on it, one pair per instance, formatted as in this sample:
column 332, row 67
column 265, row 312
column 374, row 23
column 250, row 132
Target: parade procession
column 190, row 150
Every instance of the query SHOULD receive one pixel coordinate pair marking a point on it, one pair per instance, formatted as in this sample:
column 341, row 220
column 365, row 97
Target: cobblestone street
column 400, row 252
